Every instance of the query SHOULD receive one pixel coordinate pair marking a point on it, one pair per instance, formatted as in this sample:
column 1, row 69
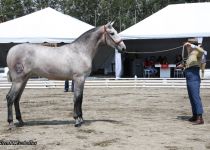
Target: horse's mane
column 85, row 36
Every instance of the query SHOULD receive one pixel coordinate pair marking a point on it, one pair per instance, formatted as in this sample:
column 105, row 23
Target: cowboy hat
column 193, row 41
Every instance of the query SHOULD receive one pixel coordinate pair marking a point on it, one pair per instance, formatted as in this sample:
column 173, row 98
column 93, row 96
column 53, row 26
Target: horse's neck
column 91, row 42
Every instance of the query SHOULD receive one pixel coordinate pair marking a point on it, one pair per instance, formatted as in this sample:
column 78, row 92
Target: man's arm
column 198, row 48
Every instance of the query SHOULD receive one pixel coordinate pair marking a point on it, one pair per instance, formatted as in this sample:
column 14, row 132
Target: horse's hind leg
column 78, row 96
column 17, row 106
column 11, row 97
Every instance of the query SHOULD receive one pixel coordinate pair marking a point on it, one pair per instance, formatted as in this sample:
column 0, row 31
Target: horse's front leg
column 78, row 96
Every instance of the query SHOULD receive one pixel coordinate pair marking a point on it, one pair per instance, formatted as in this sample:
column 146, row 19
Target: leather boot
column 199, row 120
column 193, row 118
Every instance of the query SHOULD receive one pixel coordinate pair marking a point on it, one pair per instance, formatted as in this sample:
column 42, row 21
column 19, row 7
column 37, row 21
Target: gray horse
column 69, row 62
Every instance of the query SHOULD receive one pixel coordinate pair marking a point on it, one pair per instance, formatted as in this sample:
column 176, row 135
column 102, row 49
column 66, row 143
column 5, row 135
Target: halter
column 105, row 39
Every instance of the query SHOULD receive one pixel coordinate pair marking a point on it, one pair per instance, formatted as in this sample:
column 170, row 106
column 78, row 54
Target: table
column 165, row 70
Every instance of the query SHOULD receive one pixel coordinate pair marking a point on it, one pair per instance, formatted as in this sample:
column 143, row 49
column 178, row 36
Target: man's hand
column 180, row 66
column 187, row 44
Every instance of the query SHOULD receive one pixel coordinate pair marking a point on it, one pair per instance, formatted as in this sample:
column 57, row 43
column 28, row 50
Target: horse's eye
column 112, row 33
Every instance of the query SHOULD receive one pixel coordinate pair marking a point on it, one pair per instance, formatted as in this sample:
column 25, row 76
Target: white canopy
column 173, row 21
column 47, row 25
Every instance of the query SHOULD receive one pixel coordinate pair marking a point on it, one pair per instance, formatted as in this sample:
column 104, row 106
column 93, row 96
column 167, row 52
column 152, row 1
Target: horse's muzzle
column 121, row 51
column 121, row 47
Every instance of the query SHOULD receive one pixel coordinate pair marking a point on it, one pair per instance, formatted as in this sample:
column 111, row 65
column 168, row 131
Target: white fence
column 111, row 83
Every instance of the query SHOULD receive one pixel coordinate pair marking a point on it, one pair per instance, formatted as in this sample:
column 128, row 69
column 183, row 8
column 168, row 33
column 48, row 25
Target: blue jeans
column 193, row 88
column 66, row 86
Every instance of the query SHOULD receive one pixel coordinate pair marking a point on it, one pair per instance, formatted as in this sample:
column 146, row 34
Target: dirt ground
column 115, row 119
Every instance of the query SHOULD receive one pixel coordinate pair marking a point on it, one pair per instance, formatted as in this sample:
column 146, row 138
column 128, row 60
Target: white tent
column 173, row 21
column 46, row 25
column 177, row 21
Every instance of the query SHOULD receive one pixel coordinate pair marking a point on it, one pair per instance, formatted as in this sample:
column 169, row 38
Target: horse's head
column 112, row 38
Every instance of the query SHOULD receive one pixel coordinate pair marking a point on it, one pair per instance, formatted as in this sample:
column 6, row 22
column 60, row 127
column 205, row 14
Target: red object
column 148, row 63
column 164, row 66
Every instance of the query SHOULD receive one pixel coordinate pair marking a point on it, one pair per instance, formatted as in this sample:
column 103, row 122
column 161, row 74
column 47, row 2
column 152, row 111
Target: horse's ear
column 109, row 24
column 112, row 23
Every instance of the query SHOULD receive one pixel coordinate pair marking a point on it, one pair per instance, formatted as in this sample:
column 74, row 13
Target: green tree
column 28, row 6
column 95, row 12
column 11, row 9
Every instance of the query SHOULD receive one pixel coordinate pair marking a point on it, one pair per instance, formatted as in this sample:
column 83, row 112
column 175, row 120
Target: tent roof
column 173, row 21
column 46, row 25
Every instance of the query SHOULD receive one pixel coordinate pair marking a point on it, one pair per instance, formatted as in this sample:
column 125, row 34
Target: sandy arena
column 115, row 119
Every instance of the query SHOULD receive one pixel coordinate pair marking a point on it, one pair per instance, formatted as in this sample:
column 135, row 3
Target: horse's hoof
column 81, row 120
column 11, row 126
column 78, row 122
column 20, row 123
column 78, row 125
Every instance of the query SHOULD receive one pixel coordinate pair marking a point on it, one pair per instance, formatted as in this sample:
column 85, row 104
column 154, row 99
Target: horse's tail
column 9, row 78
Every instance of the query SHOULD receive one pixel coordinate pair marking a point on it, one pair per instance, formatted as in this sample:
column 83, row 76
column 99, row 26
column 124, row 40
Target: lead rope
column 183, row 58
column 161, row 51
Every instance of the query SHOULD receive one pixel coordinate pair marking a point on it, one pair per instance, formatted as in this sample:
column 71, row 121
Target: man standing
column 193, row 79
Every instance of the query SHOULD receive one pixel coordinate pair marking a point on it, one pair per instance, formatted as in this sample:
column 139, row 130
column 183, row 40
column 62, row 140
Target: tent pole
column 118, row 65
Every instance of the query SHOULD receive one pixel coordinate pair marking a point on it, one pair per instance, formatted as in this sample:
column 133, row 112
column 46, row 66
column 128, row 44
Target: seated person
column 150, row 65
column 178, row 60
column 159, row 60
column 165, row 60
